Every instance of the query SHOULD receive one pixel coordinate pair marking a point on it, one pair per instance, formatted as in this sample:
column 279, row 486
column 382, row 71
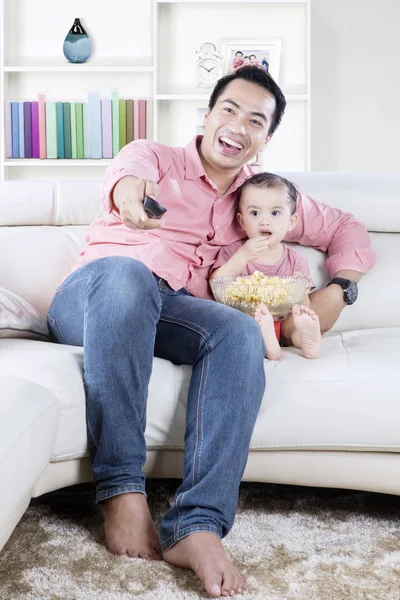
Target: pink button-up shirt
column 200, row 220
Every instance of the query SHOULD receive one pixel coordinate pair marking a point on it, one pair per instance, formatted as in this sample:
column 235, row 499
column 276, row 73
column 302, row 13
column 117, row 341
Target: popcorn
column 258, row 288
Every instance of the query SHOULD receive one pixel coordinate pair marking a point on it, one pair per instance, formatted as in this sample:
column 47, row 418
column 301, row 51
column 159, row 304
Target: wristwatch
column 349, row 287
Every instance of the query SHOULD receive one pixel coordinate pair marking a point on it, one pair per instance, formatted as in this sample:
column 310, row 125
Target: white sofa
column 333, row 422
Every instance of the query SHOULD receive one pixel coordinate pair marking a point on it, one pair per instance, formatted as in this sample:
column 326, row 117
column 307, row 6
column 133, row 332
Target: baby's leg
column 266, row 322
column 303, row 330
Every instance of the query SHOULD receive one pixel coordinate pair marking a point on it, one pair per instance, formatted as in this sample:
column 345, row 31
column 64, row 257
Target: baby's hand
column 255, row 247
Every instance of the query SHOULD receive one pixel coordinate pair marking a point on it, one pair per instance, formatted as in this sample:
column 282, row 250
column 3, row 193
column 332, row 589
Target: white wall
column 355, row 107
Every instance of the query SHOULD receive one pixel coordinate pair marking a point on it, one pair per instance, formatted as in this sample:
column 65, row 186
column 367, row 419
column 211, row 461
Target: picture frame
column 265, row 53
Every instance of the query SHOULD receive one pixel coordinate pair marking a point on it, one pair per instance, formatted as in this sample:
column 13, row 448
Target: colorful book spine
column 8, row 124
column 67, row 130
column 122, row 123
column 95, row 129
column 115, row 120
column 135, row 119
column 15, row 129
column 86, row 145
column 21, row 129
column 142, row 119
column 79, row 129
column 27, row 129
column 73, row 129
column 42, row 126
column 51, row 130
column 106, row 128
column 149, row 120
column 94, row 124
column 35, row 129
column 60, row 130
column 129, row 120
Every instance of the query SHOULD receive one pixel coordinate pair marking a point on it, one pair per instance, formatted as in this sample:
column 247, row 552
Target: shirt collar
column 194, row 168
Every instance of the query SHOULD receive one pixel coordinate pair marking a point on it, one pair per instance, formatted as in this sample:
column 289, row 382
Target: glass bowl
column 280, row 294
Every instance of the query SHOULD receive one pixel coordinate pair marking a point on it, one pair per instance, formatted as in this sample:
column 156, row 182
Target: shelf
column 97, row 65
column 60, row 162
column 191, row 93
column 232, row 2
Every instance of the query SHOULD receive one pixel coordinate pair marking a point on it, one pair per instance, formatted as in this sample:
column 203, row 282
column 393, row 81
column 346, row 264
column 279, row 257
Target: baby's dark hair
column 270, row 180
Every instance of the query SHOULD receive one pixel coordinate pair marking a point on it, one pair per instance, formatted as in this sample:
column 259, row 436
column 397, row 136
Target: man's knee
column 242, row 332
column 124, row 282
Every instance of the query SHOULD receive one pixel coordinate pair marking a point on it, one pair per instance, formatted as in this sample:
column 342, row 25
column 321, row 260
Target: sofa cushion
column 28, row 426
column 19, row 319
column 330, row 403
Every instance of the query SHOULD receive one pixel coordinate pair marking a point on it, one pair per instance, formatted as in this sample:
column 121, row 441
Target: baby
column 266, row 212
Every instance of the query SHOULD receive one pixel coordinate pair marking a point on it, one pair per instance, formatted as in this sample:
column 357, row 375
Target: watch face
column 209, row 71
column 351, row 293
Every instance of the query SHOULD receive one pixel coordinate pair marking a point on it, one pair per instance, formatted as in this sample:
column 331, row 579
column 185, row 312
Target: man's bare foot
column 204, row 554
column 266, row 322
column 129, row 528
column 308, row 336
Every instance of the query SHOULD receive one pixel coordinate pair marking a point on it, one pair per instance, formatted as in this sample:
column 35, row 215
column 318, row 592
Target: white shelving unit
column 145, row 48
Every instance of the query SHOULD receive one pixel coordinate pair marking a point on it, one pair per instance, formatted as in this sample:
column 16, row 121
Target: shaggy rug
column 292, row 543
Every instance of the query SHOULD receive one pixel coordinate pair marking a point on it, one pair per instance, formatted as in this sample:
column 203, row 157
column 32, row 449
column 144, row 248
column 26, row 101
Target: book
column 35, row 129
column 8, row 125
column 122, row 123
column 67, row 129
column 42, row 126
column 129, row 121
column 21, row 129
column 28, row 129
column 60, row 130
column 86, row 146
column 79, row 129
column 94, row 124
column 106, row 128
column 15, row 129
column 73, row 129
column 115, row 120
column 135, row 119
column 142, row 119
column 149, row 120
column 51, row 130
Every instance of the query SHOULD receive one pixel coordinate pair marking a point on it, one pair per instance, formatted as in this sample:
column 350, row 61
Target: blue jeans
column 123, row 315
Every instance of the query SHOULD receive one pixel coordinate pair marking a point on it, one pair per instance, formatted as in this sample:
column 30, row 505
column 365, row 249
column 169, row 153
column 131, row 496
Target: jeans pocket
column 54, row 331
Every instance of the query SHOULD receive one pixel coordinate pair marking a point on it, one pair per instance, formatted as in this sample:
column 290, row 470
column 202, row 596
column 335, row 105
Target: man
column 140, row 289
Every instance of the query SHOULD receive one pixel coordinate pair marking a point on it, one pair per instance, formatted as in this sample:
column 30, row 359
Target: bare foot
column 129, row 528
column 266, row 322
column 308, row 334
column 204, row 554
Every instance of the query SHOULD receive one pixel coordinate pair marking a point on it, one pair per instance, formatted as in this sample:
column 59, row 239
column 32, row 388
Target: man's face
column 237, row 127
column 253, row 60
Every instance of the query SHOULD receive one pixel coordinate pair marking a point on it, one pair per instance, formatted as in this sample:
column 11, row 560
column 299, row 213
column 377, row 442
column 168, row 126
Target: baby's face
column 266, row 212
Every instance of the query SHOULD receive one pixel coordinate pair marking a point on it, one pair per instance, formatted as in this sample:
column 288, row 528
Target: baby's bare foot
column 266, row 322
column 307, row 326
column 129, row 527
column 204, row 554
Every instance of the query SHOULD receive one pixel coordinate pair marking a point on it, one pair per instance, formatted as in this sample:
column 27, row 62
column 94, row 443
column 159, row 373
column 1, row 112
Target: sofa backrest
column 43, row 224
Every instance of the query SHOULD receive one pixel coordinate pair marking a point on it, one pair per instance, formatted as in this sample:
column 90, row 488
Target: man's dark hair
column 270, row 180
column 238, row 52
column 261, row 77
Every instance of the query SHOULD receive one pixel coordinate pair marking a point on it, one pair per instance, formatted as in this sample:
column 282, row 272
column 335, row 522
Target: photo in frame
column 265, row 54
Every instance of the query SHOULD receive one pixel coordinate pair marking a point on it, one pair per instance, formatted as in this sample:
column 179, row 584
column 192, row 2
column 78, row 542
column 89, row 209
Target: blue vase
column 77, row 45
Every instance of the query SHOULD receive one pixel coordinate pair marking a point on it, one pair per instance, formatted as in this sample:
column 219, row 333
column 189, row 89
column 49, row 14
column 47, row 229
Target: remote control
column 154, row 209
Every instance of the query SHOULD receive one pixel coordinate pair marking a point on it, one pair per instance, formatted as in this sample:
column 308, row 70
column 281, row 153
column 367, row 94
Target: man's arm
column 347, row 244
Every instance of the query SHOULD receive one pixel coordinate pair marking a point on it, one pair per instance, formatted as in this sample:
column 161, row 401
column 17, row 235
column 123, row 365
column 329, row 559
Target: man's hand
column 128, row 196
column 254, row 247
